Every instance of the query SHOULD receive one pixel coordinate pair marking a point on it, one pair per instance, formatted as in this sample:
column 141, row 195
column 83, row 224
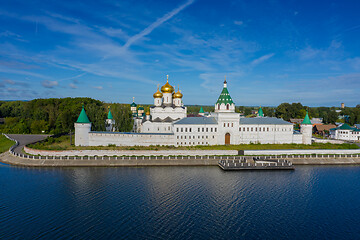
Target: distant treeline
column 56, row 115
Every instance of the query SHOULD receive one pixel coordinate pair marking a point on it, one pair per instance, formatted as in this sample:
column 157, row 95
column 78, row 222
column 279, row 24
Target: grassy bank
column 63, row 143
column 5, row 144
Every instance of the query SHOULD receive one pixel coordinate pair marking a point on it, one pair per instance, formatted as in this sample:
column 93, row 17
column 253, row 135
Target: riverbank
column 29, row 161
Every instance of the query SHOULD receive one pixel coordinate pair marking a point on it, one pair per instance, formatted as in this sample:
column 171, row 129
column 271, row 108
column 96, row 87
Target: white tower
column 110, row 122
column 167, row 91
column 82, row 129
column 158, row 97
column 133, row 108
column 306, row 130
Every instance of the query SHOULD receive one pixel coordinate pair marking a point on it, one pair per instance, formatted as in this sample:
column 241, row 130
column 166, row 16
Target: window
column 185, row 129
column 211, row 129
column 181, row 129
column 224, row 124
column 247, row 129
column 189, row 129
column 260, row 129
column 228, row 124
column 218, row 106
column 232, row 124
column 202, row 129
column 177, row 129
column 207, row 129
column 251, row 129
column 227, row 106
column 239, row 129
column 268, row 129
column 184, row 137
column 215, row 129
column 198, row 129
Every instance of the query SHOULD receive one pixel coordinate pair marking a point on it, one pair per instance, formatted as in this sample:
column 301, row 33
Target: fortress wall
column 104, row 139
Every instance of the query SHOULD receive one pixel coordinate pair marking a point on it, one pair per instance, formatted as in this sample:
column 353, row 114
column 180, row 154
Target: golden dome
column 158, row 94
column 147, row 113
column 167, row 88
column 178, row 94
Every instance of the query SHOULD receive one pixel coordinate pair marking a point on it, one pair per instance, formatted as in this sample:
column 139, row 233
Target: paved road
column 24, row 139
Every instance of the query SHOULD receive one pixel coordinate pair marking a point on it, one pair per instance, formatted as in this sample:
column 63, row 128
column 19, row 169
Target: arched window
column 227, row 106
column 218, row 106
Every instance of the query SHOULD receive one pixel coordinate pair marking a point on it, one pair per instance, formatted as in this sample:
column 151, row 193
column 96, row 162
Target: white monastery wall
column 129, row 139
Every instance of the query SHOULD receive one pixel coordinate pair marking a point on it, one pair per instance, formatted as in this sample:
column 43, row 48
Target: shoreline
column 9, row 158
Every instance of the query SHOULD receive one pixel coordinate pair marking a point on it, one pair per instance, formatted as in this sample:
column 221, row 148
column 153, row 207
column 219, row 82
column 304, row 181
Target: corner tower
column 306, row 129
column 82, row 129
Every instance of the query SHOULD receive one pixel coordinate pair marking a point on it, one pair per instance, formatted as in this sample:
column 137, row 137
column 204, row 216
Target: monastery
column 167, row 124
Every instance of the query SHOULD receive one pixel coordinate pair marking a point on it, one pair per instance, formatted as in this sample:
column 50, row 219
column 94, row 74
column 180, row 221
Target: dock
column 256, row 163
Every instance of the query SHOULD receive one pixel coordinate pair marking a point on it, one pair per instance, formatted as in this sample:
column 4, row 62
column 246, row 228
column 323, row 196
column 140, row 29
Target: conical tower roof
column 306, row 119
column 201, row 110
column 83, row 118
column 260, row 113
column 224, row 96
column 110, row 116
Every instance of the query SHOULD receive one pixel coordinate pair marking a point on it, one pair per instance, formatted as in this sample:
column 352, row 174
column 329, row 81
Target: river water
column 313, row 202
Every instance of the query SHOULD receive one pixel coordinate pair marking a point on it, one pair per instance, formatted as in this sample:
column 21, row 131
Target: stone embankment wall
column 187, row 152
column 131, row 152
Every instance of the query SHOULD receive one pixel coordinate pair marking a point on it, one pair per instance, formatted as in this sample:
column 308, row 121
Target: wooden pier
column 257, row 163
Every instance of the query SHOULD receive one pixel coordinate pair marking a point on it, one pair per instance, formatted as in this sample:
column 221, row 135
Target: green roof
column 133, row 104
column 141, row 108
column 345, row 126
column 306, row 119
column 261, row 113
column 201, row 110
column 83, row 118
column 110, row 116
column 225, row 97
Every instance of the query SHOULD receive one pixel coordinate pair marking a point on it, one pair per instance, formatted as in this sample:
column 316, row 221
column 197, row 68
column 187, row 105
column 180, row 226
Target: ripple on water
column 179, row 203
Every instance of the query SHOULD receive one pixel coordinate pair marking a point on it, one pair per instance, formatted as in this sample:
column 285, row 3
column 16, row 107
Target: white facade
column 167, row 124
column 345, row 132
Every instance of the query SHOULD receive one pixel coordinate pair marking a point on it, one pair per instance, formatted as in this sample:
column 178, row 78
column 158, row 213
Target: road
column 24, row 139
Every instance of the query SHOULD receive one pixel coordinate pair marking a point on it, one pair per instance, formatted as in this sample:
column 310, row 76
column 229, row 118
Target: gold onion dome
column 147, row 113
column 178, row 94
column 167, row 88
column 158, row 94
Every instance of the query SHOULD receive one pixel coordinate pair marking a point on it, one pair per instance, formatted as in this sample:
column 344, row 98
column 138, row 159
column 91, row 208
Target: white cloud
column 157, row 23
column 73, row 86
column 98, row 87
column 262, row 59
column 239, row 23
column 49, row 84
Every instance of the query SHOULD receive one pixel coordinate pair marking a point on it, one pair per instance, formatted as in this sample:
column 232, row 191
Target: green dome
column 83, row 118
column 133, row 105
column 306, row 119
column 141, row 108
column 201, row 110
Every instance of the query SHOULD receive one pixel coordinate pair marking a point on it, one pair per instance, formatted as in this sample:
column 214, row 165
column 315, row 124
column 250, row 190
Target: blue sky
column 271, row 51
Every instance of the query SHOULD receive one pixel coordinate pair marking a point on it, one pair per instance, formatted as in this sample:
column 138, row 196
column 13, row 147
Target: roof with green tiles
column 261, row 113
column 306, row 119
column 83, row 118
column 201, row 110
column 224, row 97
column 110, row 116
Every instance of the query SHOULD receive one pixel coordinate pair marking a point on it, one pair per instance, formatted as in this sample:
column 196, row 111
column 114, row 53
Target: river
column 312, row 202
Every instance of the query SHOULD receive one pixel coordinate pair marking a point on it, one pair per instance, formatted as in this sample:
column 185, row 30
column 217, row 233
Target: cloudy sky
column 271, row 51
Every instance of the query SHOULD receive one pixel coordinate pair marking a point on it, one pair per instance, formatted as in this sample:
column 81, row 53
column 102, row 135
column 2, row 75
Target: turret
column 260, row 112
column 167, row 91
column 147, row 116
column 306, row 129
column 82, row 129
column 140, row 112
column 110, row 122
column 201, row 112
column 225, row 102
column 133, row 108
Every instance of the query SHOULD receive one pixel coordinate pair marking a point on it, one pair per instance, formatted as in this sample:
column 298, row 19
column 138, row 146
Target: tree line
column 57, row 115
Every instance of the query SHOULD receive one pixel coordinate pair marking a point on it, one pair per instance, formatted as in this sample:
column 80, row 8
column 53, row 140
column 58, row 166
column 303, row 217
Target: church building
column 167, row 124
